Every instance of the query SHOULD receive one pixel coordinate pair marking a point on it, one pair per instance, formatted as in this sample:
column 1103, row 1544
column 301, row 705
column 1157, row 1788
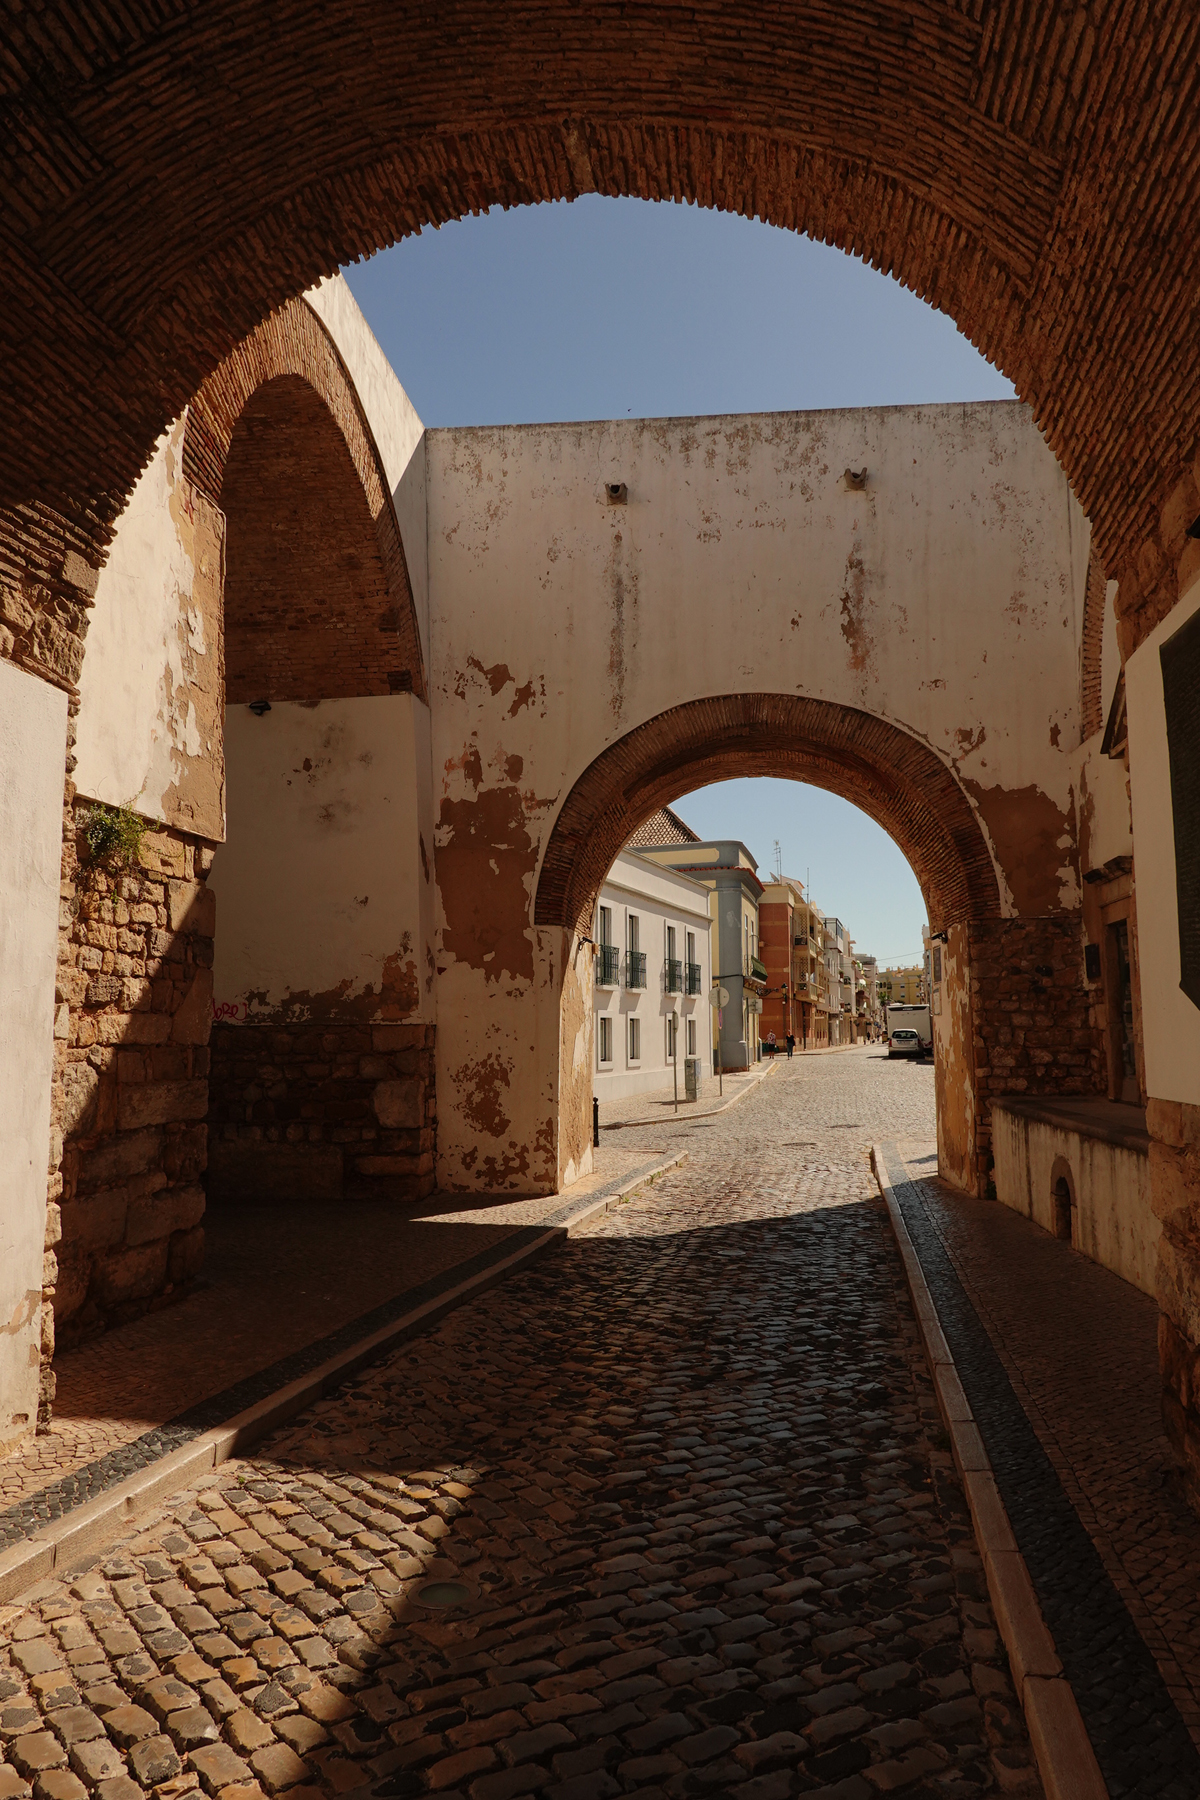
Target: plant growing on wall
column 113, row 834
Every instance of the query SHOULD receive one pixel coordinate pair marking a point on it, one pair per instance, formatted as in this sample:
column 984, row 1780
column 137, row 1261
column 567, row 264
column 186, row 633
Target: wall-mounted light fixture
column 939, row 937
column 616, row 493
column 259, row 707
column 855, row 478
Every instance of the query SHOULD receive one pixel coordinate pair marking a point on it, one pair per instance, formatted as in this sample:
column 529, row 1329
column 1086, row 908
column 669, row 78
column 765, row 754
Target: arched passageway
column 907, row 789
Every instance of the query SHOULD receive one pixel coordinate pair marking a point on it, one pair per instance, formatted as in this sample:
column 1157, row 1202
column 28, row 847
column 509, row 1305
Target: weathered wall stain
column 394, row 998
column 485, row 861
column 482, row 1086
column 854, row 606
column 1026, row 829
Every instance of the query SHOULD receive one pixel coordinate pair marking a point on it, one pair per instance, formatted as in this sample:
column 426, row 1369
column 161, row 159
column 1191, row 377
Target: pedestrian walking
column 791, row 1044
column 770, row 1043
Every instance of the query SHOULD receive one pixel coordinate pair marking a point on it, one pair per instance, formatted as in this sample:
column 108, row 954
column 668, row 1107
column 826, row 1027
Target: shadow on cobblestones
column 690, row 1476
column 1141, row 1741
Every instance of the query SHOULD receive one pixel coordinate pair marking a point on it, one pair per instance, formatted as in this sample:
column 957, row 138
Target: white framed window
column 605, row 926
column 635, row 1039
column 691, row 1037
column 670, row 943
column 606, row 1039
column 633, row 926
column 691, row 946
column 671, row 1036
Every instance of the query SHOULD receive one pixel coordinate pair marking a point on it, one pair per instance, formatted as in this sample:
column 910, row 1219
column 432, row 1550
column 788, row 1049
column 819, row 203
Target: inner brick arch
column 892, row 775
column 996, row 159
column 318, row 602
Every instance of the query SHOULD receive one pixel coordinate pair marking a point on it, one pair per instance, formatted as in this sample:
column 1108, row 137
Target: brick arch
column 890, row 774
column 278, row 439
column 995, row 158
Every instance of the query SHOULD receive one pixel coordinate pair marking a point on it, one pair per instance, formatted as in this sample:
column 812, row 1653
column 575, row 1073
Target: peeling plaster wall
column 33, row 739
column 946, row 596
column 324, row 904
column 152, row 687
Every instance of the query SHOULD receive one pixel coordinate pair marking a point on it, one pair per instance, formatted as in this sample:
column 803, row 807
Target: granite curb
column 711, row 1112
column 1065, row 1757
column 72, row 1542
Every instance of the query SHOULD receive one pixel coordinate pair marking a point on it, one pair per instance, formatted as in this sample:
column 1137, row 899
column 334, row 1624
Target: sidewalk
column 1078, row 1346
column 659, row 1107
column 284, row 1285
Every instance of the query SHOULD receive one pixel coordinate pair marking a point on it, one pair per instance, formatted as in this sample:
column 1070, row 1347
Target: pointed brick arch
column 286, row 391
column 890, row 774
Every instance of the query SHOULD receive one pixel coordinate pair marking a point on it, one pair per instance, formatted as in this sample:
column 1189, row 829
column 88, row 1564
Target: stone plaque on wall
column 1180, row 657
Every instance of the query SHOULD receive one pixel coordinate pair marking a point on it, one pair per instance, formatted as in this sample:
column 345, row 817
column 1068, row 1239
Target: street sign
column 719, row 997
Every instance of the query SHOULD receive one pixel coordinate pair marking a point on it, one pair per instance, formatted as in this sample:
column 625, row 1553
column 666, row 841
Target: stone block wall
column 132, row 1023
column 322, row 1110
column 1031, row 1012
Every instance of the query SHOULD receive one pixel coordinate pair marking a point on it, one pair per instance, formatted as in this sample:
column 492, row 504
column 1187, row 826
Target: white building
column 653, row 970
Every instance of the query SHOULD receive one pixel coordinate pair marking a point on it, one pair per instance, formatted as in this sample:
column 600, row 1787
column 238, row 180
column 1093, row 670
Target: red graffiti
column 234, row 1010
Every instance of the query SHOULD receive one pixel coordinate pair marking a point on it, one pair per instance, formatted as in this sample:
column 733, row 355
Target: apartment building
column 730, row 874
column 652, row 976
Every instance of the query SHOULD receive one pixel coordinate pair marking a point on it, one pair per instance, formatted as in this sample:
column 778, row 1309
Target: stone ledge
column 1108, row 1121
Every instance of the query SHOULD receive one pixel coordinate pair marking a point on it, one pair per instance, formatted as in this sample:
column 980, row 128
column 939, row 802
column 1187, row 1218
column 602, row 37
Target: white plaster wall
column 151, row 687
column 1170, row 1022
column 321, row 897
column 1114, row 1220
column 947, row 596
column 33, row 741
column 398, row 432
column 659, row 898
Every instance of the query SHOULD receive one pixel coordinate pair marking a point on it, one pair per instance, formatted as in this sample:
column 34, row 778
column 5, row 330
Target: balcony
column 756, row 970
column 635, row 968
column 607, row 959
column 673, row 976
column 693, row 972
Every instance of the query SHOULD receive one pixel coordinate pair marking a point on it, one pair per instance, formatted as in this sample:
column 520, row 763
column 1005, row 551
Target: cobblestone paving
column 269, row 1308
column 1078, row 1346
column 689, row 1479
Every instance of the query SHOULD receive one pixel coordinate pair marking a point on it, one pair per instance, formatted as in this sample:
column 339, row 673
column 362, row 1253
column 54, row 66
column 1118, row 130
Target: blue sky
column 618, row 308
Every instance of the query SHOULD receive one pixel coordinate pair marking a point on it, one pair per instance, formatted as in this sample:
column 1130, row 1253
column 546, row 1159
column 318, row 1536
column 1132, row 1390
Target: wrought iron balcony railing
column 635, row 968
column 673, row 976
column 607, row 958
column 693, row 978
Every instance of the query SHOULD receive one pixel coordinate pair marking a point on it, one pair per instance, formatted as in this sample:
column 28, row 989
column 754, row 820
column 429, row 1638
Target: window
column 633, row 926
column 635, row 1039
column 670, row 943
column 691, row 1037
column 691, row 946
column 671, row 1037
column 606, row 925
column 606, row 1036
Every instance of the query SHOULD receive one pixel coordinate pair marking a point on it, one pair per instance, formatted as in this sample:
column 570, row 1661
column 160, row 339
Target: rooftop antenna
column 778, row 861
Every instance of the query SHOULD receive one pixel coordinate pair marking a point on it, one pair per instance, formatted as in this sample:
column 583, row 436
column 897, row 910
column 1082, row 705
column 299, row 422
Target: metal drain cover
column 443, row 1593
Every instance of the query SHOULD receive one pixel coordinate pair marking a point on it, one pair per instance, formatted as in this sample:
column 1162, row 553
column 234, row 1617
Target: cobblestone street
column 669, row 1513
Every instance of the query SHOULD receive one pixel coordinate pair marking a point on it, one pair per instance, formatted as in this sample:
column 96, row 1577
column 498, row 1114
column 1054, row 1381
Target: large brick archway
column 318, row 601
column 997, row 161
column 890, row 773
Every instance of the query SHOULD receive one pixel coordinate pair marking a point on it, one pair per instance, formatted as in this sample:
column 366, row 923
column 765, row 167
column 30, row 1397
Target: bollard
column 595, row 1123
